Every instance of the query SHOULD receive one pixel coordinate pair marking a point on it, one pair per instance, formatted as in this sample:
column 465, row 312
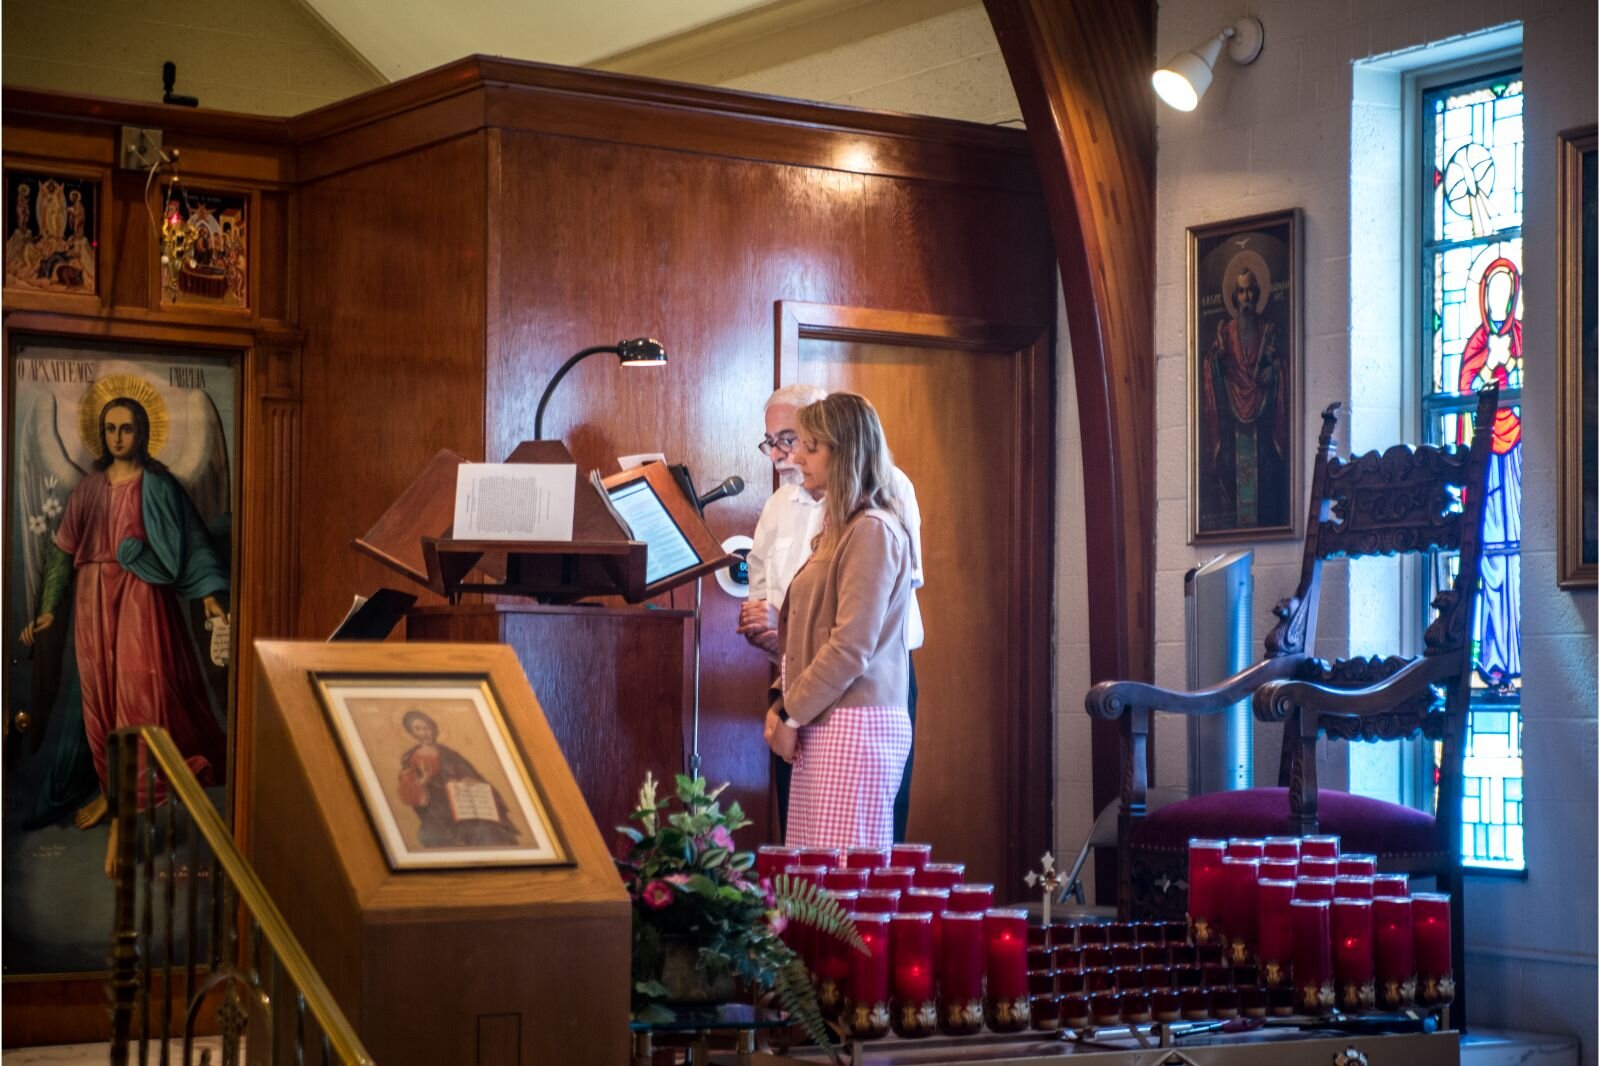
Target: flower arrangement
column 690, row 884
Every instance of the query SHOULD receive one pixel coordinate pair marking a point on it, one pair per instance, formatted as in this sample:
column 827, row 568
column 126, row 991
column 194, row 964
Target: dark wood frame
column 1296, row 361
column 1572, row 572
column 105, row 242
column 1026, row 736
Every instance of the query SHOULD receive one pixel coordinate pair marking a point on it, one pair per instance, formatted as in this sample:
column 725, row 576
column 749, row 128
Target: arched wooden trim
column 1081, row 72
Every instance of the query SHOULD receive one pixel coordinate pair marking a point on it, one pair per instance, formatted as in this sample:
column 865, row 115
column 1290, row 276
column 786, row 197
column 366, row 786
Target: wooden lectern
column 611, row 678
column 495, row 965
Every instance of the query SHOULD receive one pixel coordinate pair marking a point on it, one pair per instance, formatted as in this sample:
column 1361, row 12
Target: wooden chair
column 1402, row 500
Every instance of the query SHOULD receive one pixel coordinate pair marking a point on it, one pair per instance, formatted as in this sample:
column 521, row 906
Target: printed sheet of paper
column 514, row 501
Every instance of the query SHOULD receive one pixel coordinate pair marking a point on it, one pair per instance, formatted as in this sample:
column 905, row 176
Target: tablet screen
column 668, row 549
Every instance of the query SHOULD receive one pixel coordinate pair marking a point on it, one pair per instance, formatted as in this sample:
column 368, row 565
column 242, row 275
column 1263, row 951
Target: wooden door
column 966, row 409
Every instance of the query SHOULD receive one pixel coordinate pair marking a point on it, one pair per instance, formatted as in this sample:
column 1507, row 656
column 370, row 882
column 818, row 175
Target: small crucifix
column 1049, row 878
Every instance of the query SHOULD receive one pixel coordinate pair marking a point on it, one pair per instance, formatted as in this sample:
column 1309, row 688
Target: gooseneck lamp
column 1187, row 76
column 641, row 351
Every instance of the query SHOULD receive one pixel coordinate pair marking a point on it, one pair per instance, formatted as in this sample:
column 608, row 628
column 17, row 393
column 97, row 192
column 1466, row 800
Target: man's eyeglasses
column 783, row 442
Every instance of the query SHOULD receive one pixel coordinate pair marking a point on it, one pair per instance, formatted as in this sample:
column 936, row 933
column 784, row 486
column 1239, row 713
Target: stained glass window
column 1472, row 336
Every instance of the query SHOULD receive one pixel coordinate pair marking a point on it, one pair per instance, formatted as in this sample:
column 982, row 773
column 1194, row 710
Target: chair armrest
column 1110, row 700
column 1277, row 701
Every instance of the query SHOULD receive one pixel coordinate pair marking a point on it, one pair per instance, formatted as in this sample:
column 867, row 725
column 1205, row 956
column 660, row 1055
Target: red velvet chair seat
column 1363, row 825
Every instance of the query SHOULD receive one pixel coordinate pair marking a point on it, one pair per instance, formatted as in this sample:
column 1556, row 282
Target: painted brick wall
column 269, row 57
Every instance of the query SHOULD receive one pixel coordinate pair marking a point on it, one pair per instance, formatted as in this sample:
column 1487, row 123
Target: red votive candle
column 1093, row 934
column 1358, row 865
column 1275, row 930
column 1313, row 955
column 825, row 857
column 1395, row 959
column 1319, row 847
column 1005, row 1004
column 961, row 967
column 1346, row 886
column 1391, row 885
column 1351, row 925
column 842, row 880
column 911, row 957
column 867, row 1010
column 812, row 874
column 878, row 900
column 915, row 856
column 934, row 901
column 1280, row 869
column 1281, row 848
column 774, row 859
column 1205, row 886
column 898, row 877
column 1239, row 906
column 1318, row 867
column 1245, row 848
column 866, row 858
column 969, row 897
column 1314, row 888
column 941, row 874
column 1430, row 922
column 832, row 966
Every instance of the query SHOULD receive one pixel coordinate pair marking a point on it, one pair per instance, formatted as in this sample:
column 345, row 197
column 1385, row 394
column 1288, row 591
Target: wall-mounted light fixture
column 1185, row 79
column 641, row 351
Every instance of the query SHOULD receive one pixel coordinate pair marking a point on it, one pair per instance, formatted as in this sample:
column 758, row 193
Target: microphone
column 731, row 486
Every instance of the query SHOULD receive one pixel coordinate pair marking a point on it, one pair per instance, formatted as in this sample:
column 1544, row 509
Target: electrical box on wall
column 140, row 148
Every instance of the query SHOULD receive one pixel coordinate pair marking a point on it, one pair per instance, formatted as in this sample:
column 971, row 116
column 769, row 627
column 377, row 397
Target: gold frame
column 1294, row 219
column 1572, row 571
column 514, row 764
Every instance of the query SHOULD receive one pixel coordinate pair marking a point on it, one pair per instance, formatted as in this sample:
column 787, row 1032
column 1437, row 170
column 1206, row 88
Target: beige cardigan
column 842, row 630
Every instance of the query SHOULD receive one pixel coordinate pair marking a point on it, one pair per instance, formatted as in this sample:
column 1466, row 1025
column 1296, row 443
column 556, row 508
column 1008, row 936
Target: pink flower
column 677, row 879
column 722, row 838
column 656, row 895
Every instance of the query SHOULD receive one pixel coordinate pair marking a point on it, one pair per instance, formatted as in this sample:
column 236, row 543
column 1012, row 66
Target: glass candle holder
column 1005, row 1003
column 878, row 900
column 866, row 858
column 866, row 1013
column 1208, row 954
column 1320, row 847
column 1281, row 848
column 832, row 969
column 1195, row 1004
column 1063, row 935
column 1100, row 978
column 1274, row 930
column 1350, row 923
column 1166, row 1004
column 1312, row 866
column 1430, row 925
column 1038, row 935
column 1392, row 885
column 932, row 901
column 1239, row 907
column 1099, row 956
column 1280, row 869
column 811, row 874
column 1253, row 1001
column 1352, row 865
column 1094, row 934
column 1394, row 952
column 1122, row 932
column 896, row 877
column 1073, row 980
column 1129, row 978
column 774, row 859
column 1205, row 887
column 940, row 875
column 1280, row 1002
column 1040, row 957
column 915, row 856
column 1075, row 1010
column 1348, row 886
column 913, row 1011
column 1155, row 955
column 1149, row 933
column 971, row 897
column 1315, row 888
column 961, row 966
column 1105, row 1008
column 1245, row 848
column 1136, row 1009
column 1224, row 1003
column 1313, row 955
column 1041, row 981
column 1046, row 1012
column 844, row 880
column 827, row 858
column 1175, row 932
column 1127, row 954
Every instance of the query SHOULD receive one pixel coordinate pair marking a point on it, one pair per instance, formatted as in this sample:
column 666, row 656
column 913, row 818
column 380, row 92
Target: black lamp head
column 642, row 351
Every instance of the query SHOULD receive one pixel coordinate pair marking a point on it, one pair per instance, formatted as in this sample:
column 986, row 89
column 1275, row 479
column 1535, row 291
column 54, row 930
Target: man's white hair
column 796, row 396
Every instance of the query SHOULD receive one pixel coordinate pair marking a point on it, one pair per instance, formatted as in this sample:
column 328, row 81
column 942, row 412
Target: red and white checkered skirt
column 846, row 772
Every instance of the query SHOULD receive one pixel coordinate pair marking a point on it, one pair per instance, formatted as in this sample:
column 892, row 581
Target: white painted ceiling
column 405, row 37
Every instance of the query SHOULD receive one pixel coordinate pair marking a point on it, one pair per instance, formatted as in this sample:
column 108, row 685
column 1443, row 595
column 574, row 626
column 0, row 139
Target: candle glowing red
column 1358, row 865
column 869, row 971
column 961, row 958
column 1006, row 935
column 832, row 955
column 825, row 857
column 934, row 901
column 1313, row 958
column 1351, row 925
column 1280, row 869
column 1430, row 920
column 844, row 880
column 941, row 874
column 1391, row 885
column 1281, row 848
column 774, row 859
column 911, row 955
column 1315, row 866
column 1275, row 929
column 1314, row 888
column 1205, row 879
column 1245, row 848
column 1349, row 887
column 897, row 877
column 915, row 856
column 878, row 900
column 866, row 858
column 1239, row 901
column 976, row 898
column 1319, row 847
column 1395, row 960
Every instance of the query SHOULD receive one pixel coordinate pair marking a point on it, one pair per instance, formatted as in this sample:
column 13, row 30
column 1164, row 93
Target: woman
column 842, row 717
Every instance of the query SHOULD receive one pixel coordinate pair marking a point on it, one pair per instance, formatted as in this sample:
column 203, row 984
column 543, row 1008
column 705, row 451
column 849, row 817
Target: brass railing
column 166, row 830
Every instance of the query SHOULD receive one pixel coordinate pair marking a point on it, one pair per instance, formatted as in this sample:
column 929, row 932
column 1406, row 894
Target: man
column 789, row 521
column 1246, row 410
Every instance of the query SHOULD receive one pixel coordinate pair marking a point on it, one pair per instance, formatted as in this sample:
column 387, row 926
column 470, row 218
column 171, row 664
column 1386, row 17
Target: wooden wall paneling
column 1080, row 71
column 391, row 267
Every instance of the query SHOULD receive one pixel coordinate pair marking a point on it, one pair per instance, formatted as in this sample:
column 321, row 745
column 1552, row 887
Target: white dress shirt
column 791, row 519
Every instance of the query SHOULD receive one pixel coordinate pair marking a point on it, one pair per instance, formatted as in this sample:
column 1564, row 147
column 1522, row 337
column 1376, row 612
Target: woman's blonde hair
column 860, row 468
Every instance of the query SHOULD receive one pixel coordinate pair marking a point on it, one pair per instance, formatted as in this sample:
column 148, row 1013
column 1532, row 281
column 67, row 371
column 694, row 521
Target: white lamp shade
column 1184, row 80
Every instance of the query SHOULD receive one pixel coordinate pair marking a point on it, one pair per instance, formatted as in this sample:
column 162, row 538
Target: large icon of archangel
column 121, row 482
